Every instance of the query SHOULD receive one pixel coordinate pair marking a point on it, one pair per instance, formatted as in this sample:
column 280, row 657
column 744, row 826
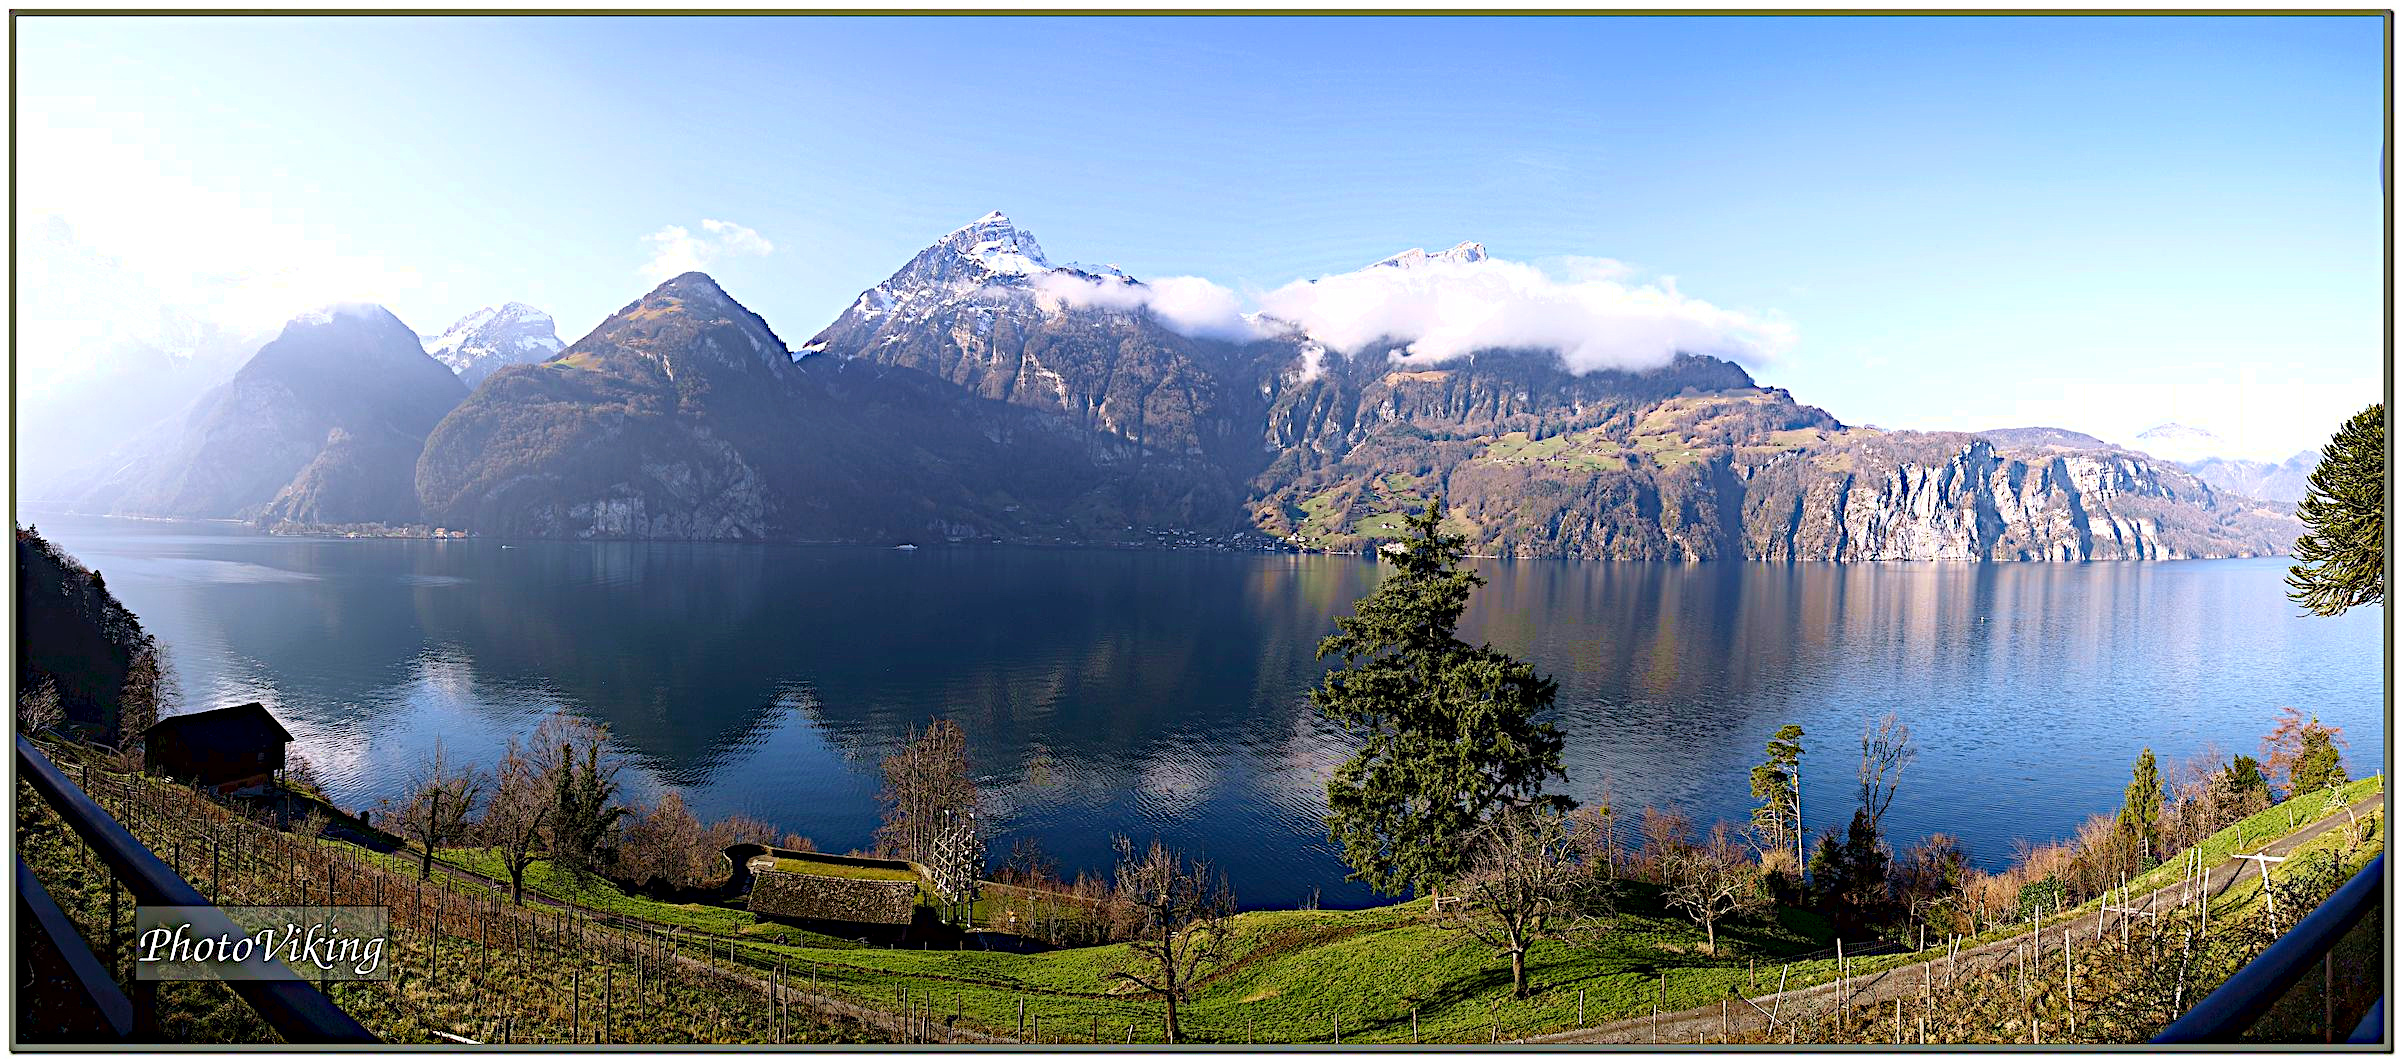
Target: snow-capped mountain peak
column 493, row 337
column 2180, row 443
column 999, row 246
column 1463, row 254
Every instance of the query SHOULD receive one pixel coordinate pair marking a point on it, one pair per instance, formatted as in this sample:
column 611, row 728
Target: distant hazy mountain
column 102, row 358
column 2180, row 443
column 2211, row 458
column 314, row 428
column 492, row 338
column 2286, row 482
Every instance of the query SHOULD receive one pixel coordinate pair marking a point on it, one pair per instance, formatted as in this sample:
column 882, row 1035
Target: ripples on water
column 1164, row 693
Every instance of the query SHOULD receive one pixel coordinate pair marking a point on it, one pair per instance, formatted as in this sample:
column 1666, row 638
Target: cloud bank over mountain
column 676, row 250
column 1436, row 307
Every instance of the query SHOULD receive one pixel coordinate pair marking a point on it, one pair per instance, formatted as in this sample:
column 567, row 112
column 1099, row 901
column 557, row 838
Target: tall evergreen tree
column 1776, row 785
column 2341, row 556
column 2145, row 801
column 2246, row 787
column 2319, row 765
column 584, row 810
column 1447, row 730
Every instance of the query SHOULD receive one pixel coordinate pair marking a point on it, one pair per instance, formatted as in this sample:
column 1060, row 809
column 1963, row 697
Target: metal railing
column 2236, row 1006
column 297, row 1010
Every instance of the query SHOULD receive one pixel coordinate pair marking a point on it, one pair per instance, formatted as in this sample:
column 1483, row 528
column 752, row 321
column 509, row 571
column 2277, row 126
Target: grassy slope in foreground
column 2131, row 980
column 1292, row 973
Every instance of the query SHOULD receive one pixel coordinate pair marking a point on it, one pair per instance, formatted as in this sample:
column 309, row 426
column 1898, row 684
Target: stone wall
column 795, row 896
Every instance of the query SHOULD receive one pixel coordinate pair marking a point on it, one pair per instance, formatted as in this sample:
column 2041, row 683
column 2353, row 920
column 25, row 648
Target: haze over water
column 1165, row 692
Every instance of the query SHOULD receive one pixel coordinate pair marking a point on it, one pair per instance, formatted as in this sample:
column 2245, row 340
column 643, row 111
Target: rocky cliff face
column 1905, row 496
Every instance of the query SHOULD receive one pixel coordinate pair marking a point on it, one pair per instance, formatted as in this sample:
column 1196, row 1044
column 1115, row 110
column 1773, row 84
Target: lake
column 1164, row 693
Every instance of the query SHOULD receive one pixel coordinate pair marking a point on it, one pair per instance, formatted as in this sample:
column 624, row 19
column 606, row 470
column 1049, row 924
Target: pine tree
column 2341, row 556
column 1776, row 786
column 2320, row 762
column 1447, row 730
column 2145, row 800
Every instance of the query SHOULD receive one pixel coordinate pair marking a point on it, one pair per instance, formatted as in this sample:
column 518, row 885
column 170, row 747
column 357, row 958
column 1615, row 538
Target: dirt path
column 1908, row 980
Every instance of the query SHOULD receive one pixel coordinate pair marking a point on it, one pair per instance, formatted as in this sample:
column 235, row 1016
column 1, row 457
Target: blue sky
column 2093, row 223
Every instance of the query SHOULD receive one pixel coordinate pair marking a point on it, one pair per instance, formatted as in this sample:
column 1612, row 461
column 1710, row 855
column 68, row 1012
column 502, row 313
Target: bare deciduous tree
column 38, row 708
column 1174, row 913
column 149, row 693
column 662, row 845
column 1711, row 881
column 1883, row 754
column 438, row 806
column 518, row 815
column 300, row 774
column 1524, row 881
column 739, row 828
column 926, row 778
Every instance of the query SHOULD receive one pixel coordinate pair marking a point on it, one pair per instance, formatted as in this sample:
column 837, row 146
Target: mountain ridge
column 960, row 400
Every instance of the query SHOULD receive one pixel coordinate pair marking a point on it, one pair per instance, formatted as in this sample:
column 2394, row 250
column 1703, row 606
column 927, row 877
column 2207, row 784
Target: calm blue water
column 1163, row 693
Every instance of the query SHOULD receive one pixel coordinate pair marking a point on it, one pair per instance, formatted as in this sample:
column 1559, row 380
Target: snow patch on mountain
column 491, row 338
column 1462, row 254
column 2181, row 443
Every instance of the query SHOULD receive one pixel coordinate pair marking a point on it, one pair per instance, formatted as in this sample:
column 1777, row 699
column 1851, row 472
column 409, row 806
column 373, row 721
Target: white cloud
column 675, row 250
column 1438, row 310
column 739, row 239
column 1583, row 307
column 1188, row 304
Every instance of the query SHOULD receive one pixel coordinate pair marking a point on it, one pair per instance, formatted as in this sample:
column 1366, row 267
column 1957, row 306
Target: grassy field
column 1387, row 974
column 1292, row 974
column 840, row 870
column 1585, row 450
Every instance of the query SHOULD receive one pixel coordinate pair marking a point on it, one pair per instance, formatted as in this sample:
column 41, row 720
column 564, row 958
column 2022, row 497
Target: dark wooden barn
column 230, row 749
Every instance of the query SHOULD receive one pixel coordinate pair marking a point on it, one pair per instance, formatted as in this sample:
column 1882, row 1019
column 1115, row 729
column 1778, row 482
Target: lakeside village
column 531, row 901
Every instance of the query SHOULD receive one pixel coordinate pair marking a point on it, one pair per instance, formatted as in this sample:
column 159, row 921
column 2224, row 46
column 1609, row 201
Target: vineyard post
column 2187, row 943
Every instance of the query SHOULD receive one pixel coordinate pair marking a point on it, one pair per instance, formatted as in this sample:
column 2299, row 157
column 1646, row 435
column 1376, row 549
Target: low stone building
column 781, row 888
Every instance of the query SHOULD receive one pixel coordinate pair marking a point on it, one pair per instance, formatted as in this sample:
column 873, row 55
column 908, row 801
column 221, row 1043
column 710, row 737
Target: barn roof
column 245, row 725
